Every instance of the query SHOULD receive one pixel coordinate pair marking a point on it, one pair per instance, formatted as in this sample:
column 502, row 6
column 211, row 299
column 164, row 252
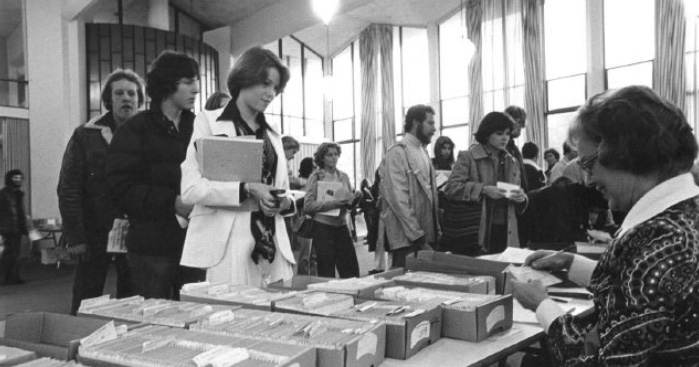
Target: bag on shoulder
column 305, row 227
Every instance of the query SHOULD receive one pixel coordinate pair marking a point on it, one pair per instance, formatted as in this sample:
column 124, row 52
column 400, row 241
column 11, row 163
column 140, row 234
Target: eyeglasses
column 588, row 163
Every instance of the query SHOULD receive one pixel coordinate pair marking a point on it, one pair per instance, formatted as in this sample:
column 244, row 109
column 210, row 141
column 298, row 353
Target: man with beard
column 87, row 212
column 519, row 116
column 408, row 190
column 13, row 225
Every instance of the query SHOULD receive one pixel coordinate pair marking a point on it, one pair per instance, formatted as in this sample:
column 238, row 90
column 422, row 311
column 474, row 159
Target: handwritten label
column 421, row 331
column 220, row 317
column 496, row 315
column 105, row 333
column 221, row 356
column 367, row 345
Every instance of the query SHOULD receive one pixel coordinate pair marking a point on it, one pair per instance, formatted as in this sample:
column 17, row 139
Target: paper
column 522, row 315
column 105, row 333
column 512, row 255
column 442, row 177
column 328, row 190
column 508, row 187
column 526, row 274
column 599, row 236
column 34, row 235
column 421, row 331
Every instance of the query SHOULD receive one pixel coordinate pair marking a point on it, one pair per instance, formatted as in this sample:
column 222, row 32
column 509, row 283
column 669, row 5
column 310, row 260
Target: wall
column 220, row 39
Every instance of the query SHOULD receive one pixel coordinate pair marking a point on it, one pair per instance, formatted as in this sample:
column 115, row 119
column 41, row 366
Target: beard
column 424, row 137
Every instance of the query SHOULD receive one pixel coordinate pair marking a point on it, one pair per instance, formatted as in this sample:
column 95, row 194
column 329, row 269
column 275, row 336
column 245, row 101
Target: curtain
column 474, row 20
column 533, row 19
column 369, row 69
column 15, row 151
column 669, row 70
column 388, row 118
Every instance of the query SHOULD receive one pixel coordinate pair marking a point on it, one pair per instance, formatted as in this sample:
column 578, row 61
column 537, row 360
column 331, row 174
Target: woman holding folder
column 236, row 229
column 637, row 149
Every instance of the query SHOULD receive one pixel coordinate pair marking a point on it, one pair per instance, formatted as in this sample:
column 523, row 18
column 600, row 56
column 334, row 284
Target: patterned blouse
column 646, row 289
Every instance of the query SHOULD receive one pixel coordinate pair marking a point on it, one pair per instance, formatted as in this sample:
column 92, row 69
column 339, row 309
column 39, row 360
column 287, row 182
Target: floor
column 48, row 287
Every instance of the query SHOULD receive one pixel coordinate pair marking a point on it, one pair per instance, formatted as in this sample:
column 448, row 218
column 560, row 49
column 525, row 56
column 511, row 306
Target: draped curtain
column 669, row 70
column 474, row 19
column 15, row 151
column 376, row 58
column 533, row 19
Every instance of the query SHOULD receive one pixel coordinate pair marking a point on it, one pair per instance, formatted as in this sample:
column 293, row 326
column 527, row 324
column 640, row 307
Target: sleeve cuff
column 581, row 270
column 547, row 312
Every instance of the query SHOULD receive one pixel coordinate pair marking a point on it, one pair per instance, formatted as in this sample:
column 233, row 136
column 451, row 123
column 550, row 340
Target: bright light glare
column 325, row 9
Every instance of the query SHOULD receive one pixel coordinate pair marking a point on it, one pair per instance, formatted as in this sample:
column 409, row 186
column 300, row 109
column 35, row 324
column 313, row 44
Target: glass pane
column 455, row 111
column 293, row 93
column 461, row 136
column 275, row 121
column 639, row 74
column 416, row 84
column 397, row 80
column 313, row 94
column 295, row 126
column 565, row 37
column 629, row 31
column 558, row 125
column 315, row 129
column 13, row 66
column 273, row 46
column 454, row 55
column 359, row 171
column 357, row 82
column 567, row 92
column 342, row 85
column 343, row 130
column 346, row 161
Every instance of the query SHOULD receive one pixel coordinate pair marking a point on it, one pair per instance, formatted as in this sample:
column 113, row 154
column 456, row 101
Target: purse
column 305, row 227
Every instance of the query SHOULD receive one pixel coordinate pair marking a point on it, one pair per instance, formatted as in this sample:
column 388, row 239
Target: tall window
column 13, row 64
column 454, row 55
column 347, row 110
column 299, row 110
column 629, row 42
column 692, row 63
column 411, row 76
column 565, row 40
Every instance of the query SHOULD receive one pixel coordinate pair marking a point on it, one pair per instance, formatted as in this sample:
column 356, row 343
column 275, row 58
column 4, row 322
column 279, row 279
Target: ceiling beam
column 72, row 9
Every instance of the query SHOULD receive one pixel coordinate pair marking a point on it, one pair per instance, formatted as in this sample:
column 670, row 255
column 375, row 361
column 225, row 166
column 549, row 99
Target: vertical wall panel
column 15, row 151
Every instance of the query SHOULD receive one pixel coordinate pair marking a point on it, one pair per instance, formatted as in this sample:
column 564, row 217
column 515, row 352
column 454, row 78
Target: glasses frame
column 588, row 164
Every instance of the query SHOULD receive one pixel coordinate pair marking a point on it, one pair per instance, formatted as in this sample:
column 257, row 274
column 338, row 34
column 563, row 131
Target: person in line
column 13, row 225
column 481, row 216
column 291, row 147
column 332, row 239
column 237, row 230
column 217, row 100
column 443, row 154
column 637, row 149
column 535, row 175
column 519, row 116
column 551, row 156
column 569, row 153
column 304, row 253
column 87, row 212
column 143, row 177
column 408, row 190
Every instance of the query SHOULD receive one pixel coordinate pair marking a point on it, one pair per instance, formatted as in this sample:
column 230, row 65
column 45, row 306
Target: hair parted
column 115, row 76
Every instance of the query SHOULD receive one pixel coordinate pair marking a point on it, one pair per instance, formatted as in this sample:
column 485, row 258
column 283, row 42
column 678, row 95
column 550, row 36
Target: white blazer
column 209, row 227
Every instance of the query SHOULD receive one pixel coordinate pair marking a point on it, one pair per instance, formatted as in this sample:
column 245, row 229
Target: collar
column 659, row 199
column 105, row 123
column 168, row 125
column 479, row 151
column 232, row 113
column 531, row 163
column 412, row 140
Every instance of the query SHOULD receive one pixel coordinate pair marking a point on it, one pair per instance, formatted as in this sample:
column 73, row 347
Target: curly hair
column 416, row 113
column 322, row 151
column 115, row 76
column 492, row 122
column 554, row 152
column 637, row 132
column 252, row 68
column 165, row 72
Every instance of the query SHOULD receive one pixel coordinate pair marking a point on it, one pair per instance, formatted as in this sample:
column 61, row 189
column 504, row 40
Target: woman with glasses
column 479, row 217
column 637, row 150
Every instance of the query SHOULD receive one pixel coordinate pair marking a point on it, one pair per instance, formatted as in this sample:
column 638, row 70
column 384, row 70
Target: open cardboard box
column 10, row 356
column 48, row 334
column 297, row 283
column 486, row 287
column 459, row 264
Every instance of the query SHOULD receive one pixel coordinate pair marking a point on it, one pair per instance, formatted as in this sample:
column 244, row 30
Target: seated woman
column 637, row 149
column 479, row 217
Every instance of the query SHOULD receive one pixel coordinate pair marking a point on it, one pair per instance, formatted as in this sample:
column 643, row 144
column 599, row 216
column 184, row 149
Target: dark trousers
column 156, row 276
column 399, row 256
column 90, row 275
column 8, row 260
column 334, row 248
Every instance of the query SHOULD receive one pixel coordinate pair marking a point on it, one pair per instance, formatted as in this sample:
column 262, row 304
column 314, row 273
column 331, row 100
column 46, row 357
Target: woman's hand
column 518, row 196
column 261, row 193
column 549, row 260
column 529, row 294
column 493, row 192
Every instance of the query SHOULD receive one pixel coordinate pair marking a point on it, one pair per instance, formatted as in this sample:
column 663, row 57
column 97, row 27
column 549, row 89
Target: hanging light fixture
column 325, row 10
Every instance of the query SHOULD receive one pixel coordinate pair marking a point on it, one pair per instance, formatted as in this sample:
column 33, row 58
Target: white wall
column 220, row 39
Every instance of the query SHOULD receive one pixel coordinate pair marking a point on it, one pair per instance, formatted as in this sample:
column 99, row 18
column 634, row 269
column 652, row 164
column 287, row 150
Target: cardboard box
column 458, row 264
column 478, row 323
column 297, row 283
column 196, row 293
column 357, row 290
column 48, row 334
column 53, row 255
column 10, row 356
column 484, row 287
column 409, row 336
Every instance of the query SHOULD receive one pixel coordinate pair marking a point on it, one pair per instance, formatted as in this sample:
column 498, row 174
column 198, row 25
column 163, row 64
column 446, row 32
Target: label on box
column 496, row 315
column 105, row 333
column 421, row 331
column 91, row 302
column 220, row 317
column 367, row 345
column 221, row 356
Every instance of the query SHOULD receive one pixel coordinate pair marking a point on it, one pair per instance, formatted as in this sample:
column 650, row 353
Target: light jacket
column 408, row 203
column 474, row 169
column 209, row 226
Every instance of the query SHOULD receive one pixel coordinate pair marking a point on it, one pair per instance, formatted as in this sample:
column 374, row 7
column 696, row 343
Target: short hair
column 492, row 122
column 306, row 167
column 554, row 152
column 567, row 148
column 115, row 76
column 416, row 113
column 529, row 150
column 214, row 100
column 9, row 174
column 322, row 151
column 517, row 113
column 637, row 132
column 165, row 72
column 290, row 143
column 252, row 67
